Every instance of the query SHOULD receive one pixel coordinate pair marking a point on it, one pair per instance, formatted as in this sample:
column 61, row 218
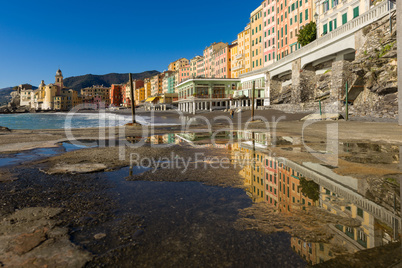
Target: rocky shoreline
column 66, row 201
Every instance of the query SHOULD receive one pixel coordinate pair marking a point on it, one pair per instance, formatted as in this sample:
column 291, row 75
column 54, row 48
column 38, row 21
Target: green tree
column 310, row 189
column 308, row 34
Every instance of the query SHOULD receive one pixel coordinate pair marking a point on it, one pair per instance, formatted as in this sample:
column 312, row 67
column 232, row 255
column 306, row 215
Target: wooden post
column 132, row 97
column 252, row 102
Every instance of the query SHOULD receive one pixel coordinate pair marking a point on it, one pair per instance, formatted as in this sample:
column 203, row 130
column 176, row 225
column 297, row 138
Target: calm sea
column 65, row 120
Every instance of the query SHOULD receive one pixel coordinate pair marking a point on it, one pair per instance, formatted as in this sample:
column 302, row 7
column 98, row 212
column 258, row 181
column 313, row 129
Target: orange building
column 127, row 92
column 116, row 95
column 291, row 17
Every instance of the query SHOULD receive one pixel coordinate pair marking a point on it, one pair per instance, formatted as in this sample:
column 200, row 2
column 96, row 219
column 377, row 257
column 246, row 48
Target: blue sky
column 100, row 37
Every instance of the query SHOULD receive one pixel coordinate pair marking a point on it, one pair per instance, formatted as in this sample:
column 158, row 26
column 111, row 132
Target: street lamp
column 316, row 22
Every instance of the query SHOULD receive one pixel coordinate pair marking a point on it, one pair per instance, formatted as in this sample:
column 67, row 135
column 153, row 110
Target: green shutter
column 306, row 17
column 356, row 12
column 291, row 21
column 325, row 29
column 344, row 18
column 330, row 26
column 301, row 17
column 286, row 29
column 335, row 24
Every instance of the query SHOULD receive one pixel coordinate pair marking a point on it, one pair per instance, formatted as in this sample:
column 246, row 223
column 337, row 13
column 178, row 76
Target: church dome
column 58, row 72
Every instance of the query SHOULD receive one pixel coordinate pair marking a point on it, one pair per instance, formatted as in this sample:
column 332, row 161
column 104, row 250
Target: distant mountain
column 5, row 95
column 88, row 80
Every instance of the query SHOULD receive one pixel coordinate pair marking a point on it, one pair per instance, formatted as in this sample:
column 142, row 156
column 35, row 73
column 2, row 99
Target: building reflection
column 276, row 181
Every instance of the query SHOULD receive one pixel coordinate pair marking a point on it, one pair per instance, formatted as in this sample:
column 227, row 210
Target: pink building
column 269, row 18
column 184, row 73
column 222, row 59
column 209, row 58
column 271, row 180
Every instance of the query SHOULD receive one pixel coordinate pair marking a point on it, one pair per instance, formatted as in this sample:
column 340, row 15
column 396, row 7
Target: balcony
column 238, row 67
column 239, row 56
column 201, row 96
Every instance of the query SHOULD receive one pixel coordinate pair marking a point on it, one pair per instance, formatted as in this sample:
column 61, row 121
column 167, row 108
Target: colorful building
column 242, row 60
column 67, row 100
column 194, row 65
column 96, row 93
column 147, row 87
column 222, row 60
column 335, row 13
column 209, row 58
column 156, row 84
column 137, row 83
column 269, row 19
column 139, row 95
column 291, row 17
column 205, row 94
column 184, row 73
column 176, row 65
column 233, row 62
column 116, row 95
column 256, row 25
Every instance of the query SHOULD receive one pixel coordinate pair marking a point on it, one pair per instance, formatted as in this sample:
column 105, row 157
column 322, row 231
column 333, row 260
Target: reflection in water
column 277, row 182
column 354, row 213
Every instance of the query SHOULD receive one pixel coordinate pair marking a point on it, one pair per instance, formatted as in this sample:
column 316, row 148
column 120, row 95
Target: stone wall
column 371, row 73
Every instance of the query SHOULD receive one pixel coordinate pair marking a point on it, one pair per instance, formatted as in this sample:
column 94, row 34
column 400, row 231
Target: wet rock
column 30, row 238
column 26, row 242
column 138, row 233
column 99, row 236
column 76, row 168
column 4, row 129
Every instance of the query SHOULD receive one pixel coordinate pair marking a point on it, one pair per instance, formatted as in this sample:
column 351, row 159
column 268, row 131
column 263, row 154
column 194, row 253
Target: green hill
column 88, row 80
column 5, row 95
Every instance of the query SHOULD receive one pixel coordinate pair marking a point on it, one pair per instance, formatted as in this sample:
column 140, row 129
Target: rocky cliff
column 376, row 67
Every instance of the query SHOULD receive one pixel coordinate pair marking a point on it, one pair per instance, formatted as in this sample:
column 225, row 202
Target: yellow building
column 233, row 61
column 256, row 27
column 139, row 95
column 67, row 100
column 176, row 65
column 241, row 63
column 147, row 87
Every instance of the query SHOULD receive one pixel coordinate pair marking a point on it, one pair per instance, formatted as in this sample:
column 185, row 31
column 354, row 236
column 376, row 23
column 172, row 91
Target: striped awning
column 151, row 99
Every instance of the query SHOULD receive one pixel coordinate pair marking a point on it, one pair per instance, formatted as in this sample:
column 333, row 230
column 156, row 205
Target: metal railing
column 375, row 13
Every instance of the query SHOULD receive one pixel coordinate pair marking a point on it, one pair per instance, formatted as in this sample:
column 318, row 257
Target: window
column 286, row 29
column 335, row 24
column 306, row 14
column 334, row 3
column 301, row 17
column 325, row 6
column 344, row 18
column 325, row 29
column 330, row 26
column 356, row 12
column 360, row 212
